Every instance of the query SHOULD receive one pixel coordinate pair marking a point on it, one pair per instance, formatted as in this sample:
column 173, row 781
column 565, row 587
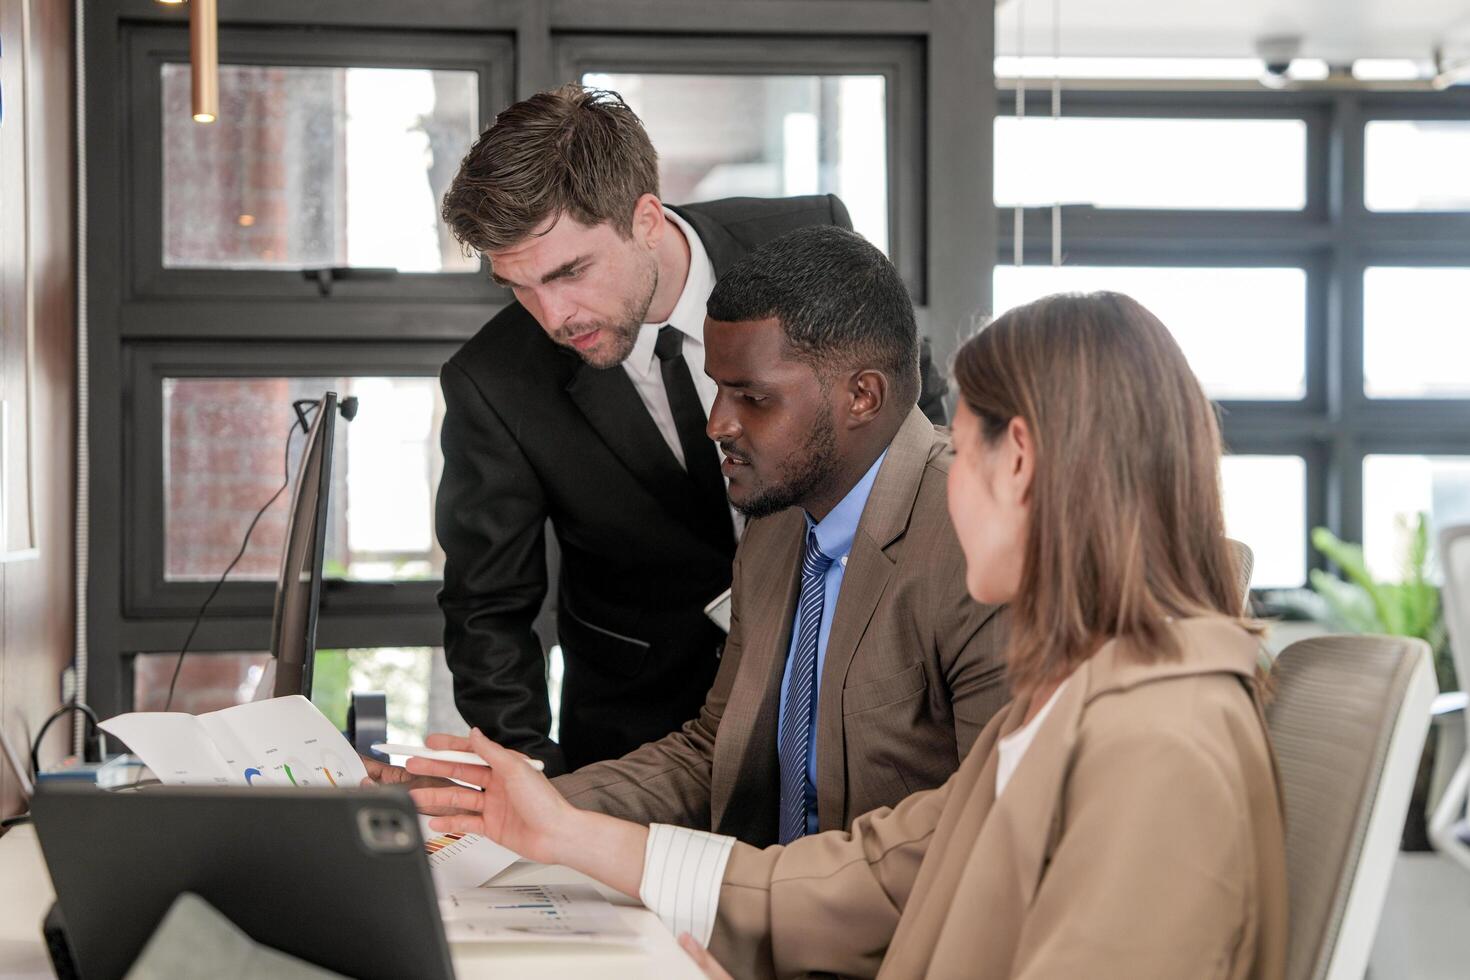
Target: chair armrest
column 1449, row 703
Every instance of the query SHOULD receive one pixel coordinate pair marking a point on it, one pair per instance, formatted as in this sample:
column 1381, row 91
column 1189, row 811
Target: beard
column 805, row 473
column 618, row 335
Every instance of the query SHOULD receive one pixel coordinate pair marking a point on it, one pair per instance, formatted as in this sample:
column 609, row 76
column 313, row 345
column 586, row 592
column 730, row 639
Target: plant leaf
column 1350, row 606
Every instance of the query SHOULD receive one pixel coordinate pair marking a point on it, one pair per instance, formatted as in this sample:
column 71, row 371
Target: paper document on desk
column 534, row 913
column 280, row 742
column 460, row 861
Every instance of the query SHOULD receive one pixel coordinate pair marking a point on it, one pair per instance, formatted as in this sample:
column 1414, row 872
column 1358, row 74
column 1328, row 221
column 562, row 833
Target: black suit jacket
column 530, row 433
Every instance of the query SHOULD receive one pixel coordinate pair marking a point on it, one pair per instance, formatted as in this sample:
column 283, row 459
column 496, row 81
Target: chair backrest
column 1454, row 561
column 1245, row 563
column 1348, row 723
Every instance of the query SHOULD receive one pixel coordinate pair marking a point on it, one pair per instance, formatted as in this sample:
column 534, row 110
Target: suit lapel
column 746, row 748
column 610, row 403
column 721, row 247
column 869, row 567
column 1026, row 812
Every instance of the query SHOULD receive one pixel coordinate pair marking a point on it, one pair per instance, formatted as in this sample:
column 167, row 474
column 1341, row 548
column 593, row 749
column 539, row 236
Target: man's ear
column 649, row 221
column 867, row 392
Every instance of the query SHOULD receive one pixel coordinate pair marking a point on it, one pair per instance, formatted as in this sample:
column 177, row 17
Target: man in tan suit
column 857, row 669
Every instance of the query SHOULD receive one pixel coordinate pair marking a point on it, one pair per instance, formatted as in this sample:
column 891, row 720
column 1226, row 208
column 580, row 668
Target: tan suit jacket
column 913, row 671
column 1140, row 837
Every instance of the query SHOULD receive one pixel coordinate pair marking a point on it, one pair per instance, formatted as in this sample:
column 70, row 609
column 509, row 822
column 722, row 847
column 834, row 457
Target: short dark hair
column 573, row 150
column 840, row 302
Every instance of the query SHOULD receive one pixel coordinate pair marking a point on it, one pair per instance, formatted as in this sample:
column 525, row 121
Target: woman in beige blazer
column 1121, row 817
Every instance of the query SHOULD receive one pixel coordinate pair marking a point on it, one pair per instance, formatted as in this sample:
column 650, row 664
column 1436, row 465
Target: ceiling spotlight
column 1277, row 52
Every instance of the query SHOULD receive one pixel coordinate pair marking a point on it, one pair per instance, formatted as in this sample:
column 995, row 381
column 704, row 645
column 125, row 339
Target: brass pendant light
column 203, row 57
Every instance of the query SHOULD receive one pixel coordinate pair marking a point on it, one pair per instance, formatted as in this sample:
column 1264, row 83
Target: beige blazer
column 913, row 671
column 1140, row 837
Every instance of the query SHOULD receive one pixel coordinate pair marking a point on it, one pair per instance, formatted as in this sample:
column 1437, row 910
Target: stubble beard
column 618, row 336
column 807, row 472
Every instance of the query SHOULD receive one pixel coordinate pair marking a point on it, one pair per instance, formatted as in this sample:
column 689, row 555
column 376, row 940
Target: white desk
column 25, row 895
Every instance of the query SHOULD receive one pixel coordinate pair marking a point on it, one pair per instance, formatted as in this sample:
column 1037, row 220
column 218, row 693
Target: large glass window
column 767, row 136
column 310, row 167
column 1396, row 490
column 1243, row 330
column 1416, row 165
column 1266, row 508
column 225, row 455
column 417, row 703
column 1151, row 163
column 1416, row 332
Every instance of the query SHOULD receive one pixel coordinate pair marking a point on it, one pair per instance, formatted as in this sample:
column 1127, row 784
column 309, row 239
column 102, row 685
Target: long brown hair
column 1126, row 526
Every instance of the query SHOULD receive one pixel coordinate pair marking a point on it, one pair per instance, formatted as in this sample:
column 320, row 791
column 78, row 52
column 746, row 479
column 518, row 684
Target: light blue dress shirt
column 834, row 537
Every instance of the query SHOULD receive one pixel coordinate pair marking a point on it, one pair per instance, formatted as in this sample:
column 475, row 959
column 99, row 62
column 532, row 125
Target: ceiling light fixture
column 204, row 58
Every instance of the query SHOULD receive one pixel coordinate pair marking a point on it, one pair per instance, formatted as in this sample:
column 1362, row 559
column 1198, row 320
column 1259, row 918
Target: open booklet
column 284, row 742
column 280, row 742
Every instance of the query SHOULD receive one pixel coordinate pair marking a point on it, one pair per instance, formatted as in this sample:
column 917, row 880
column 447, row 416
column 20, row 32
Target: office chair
column 1245, row 563
column 1449, row 829
column 1348, row 723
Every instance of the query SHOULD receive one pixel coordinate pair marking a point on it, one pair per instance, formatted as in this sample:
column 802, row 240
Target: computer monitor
column 299, row 588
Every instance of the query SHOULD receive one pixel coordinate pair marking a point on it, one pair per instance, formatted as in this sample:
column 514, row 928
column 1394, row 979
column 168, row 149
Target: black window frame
column 1334, row 238
column 147, row 593
column 899, row 60
column 150, row 47
column 128, row 315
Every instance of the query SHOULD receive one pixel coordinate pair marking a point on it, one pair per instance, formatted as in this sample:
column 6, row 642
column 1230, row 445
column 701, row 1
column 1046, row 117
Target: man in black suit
column 584, row 402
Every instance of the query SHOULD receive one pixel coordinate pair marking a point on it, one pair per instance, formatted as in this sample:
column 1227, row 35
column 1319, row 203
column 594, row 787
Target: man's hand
column 382, row 774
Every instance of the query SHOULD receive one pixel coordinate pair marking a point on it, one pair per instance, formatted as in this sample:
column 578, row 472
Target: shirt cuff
column 682, row 873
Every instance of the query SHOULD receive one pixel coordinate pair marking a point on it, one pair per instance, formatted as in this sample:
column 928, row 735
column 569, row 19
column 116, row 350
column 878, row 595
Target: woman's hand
column 703, row 959
column 519, row 808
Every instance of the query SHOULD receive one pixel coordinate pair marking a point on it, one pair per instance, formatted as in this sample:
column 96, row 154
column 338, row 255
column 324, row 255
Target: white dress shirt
column 688, row 318
column 1014, row 746
column 682, row 872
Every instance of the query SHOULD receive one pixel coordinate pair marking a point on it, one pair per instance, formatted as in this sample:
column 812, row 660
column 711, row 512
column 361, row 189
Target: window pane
column 1396, row 489
column 767, row 136
column 312, row 167
column 1151, row 163
column 224, row 456
column 207, row 681
column 1416, row 333
column 1243, row 330
column 1266, row 507
column 417, row 703
column 1417, row 165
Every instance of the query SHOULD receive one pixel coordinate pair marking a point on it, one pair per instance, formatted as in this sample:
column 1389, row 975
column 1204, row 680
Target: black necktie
column 700, row 458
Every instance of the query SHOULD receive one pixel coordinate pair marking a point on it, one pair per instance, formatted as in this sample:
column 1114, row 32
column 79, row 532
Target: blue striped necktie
column 801, row 686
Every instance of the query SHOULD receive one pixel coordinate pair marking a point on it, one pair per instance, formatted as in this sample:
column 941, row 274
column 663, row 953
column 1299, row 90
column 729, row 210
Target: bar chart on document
column 462, row 860
column 532, row 913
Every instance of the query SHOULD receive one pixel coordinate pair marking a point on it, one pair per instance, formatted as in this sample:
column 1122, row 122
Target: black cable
column 61, row 712
column 301, row 420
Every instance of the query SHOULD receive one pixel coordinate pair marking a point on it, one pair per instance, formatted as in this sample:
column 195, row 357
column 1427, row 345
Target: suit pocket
column 599, row 648
column 890, row 689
